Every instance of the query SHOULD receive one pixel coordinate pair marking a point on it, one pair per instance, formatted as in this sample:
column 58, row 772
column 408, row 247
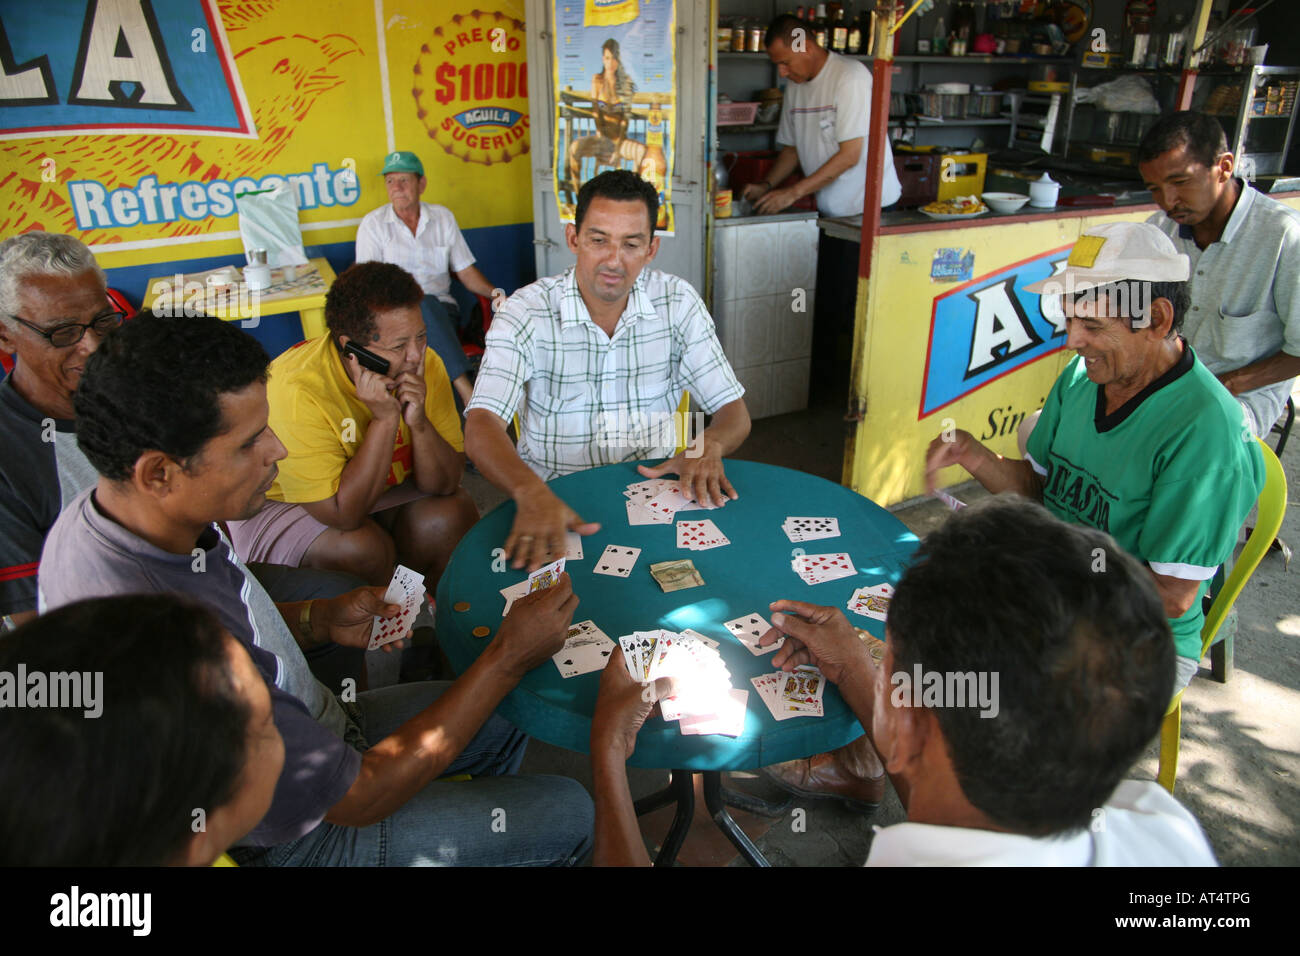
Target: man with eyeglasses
column 54, row 312
column 54, row 309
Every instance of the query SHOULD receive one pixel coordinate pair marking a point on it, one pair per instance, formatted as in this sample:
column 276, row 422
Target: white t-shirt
column 1141, row 825
column 831, row 108
column 435, row 251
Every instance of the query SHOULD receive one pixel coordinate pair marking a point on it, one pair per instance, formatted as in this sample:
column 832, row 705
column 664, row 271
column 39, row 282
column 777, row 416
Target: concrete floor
column 1240, row 760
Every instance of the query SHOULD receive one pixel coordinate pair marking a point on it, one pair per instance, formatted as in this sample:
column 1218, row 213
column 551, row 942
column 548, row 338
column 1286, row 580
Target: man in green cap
column 424, row 240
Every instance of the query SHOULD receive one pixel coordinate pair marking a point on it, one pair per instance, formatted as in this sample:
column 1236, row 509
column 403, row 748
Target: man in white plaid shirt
column 594, row 362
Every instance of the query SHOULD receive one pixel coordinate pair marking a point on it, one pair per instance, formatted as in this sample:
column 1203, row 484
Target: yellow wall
column 313, row 74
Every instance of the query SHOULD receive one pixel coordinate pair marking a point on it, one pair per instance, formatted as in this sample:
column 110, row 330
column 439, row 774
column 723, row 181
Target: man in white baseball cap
column 1137, row 437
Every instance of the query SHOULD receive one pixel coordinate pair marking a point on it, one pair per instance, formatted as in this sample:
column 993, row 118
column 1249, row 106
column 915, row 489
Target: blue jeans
column 440, row 325
column 495, row 819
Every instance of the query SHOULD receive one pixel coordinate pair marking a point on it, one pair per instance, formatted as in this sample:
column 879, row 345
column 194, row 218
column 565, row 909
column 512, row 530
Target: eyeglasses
column 65, row 336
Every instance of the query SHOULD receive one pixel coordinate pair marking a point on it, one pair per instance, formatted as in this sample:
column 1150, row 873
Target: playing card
column 949, row 500
column 729, row 721
column 710, row 642
column 639, row 514
column 572, row 546
column 586, row 649
column 811, row 529
column 407, row 589
column 802, row 691
column 670, row 501
column 645, row 490
column 768, row 687
column 512, row 593
column 872, row 601
column 545, row 576
column 748, row 628
column 638, row 652
column 700, row 535
column 819, row 568
column 617, row 560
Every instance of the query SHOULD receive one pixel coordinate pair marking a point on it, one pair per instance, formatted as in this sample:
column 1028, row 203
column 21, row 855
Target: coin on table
column 481, row 631
column 460, row 606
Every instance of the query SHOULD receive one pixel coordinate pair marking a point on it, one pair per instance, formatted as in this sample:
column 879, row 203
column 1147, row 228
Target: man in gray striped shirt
column 594, row 363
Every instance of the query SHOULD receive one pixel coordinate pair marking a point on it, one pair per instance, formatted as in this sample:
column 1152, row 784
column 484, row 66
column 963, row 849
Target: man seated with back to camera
column 1083, row 663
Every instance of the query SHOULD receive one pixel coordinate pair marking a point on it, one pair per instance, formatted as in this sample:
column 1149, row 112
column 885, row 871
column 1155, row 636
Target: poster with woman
column 615, row 82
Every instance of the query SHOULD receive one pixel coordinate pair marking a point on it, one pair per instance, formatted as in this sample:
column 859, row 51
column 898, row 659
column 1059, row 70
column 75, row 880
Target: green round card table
column 740, row 578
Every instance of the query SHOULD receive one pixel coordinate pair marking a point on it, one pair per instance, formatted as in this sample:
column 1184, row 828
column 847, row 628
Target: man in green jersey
column 1137, row 437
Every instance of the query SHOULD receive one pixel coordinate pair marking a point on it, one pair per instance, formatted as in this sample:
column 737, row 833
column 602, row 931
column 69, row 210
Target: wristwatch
column 304, row 621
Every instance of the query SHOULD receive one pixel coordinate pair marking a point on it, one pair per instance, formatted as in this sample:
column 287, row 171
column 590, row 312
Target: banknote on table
column 676, row 575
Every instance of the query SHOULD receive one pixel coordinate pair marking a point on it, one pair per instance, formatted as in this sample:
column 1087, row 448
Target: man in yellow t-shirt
column 375, row 460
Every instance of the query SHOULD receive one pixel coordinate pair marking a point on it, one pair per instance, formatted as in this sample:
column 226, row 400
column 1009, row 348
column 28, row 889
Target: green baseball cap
column 402, row 161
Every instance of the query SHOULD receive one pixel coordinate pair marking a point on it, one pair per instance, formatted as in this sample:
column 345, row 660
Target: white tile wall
column 798, row 258
column 757, row 383
column 758, row 254
column 788, row 391
column 756, row 268
column 791, row 330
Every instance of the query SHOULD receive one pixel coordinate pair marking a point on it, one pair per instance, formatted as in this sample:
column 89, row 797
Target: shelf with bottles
column 980, row 59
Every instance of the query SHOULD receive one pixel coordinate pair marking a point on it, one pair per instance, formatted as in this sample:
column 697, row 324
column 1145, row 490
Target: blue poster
column 989, row 327
column 118, row 66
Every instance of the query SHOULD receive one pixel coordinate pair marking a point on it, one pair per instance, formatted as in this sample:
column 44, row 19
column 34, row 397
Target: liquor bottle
column 839, row 30
column 939, row 41
column 855, row 32
column 821, row 27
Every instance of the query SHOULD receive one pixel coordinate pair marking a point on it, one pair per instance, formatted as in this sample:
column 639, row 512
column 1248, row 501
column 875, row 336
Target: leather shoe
column 853, row 774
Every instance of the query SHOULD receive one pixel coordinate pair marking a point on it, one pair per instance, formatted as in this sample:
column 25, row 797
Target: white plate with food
column 959, row 207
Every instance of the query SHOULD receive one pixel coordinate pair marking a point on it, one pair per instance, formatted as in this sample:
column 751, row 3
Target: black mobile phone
column 367, row 358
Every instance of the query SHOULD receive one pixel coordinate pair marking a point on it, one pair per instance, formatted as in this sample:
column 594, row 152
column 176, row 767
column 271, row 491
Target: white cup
column 257, row 276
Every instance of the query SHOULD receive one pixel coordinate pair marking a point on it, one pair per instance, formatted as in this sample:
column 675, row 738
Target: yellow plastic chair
column 1272, row 506
column 683, row 411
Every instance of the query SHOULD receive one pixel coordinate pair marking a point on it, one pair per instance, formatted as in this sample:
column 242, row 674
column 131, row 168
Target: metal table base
column 717, row 798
